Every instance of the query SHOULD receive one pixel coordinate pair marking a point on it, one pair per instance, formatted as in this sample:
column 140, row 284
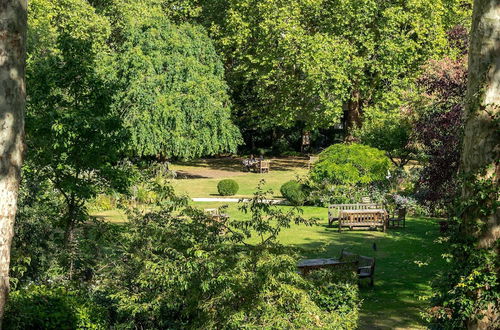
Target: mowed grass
column 199, row 178
column 407, row 260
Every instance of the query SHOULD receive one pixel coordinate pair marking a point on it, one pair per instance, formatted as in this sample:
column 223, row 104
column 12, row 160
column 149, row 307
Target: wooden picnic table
column 306, row 265
column 363, row 218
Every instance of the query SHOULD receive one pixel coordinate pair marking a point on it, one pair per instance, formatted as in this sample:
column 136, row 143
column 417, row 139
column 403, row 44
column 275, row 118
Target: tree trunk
column 481, row 150
column 13, row 23
column 352, row 115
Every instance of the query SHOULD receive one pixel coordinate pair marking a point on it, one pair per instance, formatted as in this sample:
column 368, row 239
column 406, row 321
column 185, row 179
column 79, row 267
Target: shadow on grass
column 236, row 164
column 406, row 261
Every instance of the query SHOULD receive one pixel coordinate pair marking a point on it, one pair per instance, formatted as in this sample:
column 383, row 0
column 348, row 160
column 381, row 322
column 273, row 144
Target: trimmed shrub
column 43, row 307
column 293, row 192
column 351, row 164
column 227, row 187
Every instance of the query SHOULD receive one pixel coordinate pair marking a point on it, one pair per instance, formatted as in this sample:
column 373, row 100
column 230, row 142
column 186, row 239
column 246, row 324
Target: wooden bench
column 363, row 218
column 335, row 209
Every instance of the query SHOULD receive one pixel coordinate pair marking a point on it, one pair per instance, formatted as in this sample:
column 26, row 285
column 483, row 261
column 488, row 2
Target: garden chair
column 366, row 268
column 399, row 220
column 264, row 166
column 365, row 265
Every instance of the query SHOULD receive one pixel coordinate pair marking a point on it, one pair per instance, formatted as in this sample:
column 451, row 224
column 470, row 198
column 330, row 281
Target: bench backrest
column 366, row 262
column 334, row 209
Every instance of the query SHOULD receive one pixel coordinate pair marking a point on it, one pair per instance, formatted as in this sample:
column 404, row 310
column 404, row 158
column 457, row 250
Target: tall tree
column 13, row 25
column 74, row 138
column 171, row 91
column 469, row 294
column 317, row 61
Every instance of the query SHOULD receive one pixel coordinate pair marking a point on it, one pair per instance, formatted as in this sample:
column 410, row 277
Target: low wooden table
column 363, row 218
column 306, row 265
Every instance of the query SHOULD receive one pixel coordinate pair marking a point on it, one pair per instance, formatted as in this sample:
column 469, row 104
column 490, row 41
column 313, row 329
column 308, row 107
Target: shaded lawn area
column 199, row 178
column 406, row 261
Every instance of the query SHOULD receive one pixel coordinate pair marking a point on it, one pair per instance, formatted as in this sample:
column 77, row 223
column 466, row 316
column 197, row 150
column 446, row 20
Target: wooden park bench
column 334, row 210
column 371, row 218
column 366, row 265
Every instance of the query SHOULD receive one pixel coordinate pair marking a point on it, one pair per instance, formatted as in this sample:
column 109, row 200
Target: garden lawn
column 407, row 260
column 199, row 178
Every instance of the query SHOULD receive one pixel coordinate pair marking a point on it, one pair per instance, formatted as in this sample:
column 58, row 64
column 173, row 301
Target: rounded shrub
column 227, row 187
column 350, row 164
column 293, row 192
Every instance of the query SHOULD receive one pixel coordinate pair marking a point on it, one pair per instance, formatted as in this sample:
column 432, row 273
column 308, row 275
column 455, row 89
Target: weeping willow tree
column 172, row 94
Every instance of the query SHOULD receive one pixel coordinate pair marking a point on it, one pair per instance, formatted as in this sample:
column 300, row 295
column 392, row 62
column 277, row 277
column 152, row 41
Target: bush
column 43, row 307
column 228, row 187
column 350, row 164
column 293, row 192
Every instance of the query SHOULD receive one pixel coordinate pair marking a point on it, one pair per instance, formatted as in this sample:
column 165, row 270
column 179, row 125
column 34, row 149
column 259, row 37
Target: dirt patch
column 215, row 168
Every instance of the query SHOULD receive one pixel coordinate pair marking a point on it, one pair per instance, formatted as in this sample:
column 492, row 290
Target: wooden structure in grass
column 334, row 210
column 366, row 265
column 370, row 218
column 399, row 220
column 264, row 166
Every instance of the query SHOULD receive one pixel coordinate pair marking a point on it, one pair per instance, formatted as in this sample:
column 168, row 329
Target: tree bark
column 352, row 115
column 481, row 150
column 13, row 24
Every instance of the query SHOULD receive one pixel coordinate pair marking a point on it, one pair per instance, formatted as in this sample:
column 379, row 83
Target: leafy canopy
column 302, row 60
column 74, row 139
column 350, row 164
column 171, row 92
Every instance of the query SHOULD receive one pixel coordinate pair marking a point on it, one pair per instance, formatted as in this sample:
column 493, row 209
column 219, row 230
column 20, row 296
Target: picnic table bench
column 363, row 218
column 334, row 210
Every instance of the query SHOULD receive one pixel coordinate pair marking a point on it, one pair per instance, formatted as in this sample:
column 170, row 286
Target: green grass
column 199, row 179
column 406, row 261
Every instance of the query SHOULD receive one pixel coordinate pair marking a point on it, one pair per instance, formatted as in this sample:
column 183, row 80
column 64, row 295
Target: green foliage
column 171, row 92
column 470, row 285
column 227, row 187
column 324, row 194
column 173, row 272
column 350, row 164
column 73, row 137
column 294, row 193
column 44, row 307
column 302, row 60
column 391, row 133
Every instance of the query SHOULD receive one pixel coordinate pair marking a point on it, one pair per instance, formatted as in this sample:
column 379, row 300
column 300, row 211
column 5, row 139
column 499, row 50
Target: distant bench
column 334, row 210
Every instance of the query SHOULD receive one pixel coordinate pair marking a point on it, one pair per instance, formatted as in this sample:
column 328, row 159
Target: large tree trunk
column 481, row 150
column 352, row 115
column 13, row 23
